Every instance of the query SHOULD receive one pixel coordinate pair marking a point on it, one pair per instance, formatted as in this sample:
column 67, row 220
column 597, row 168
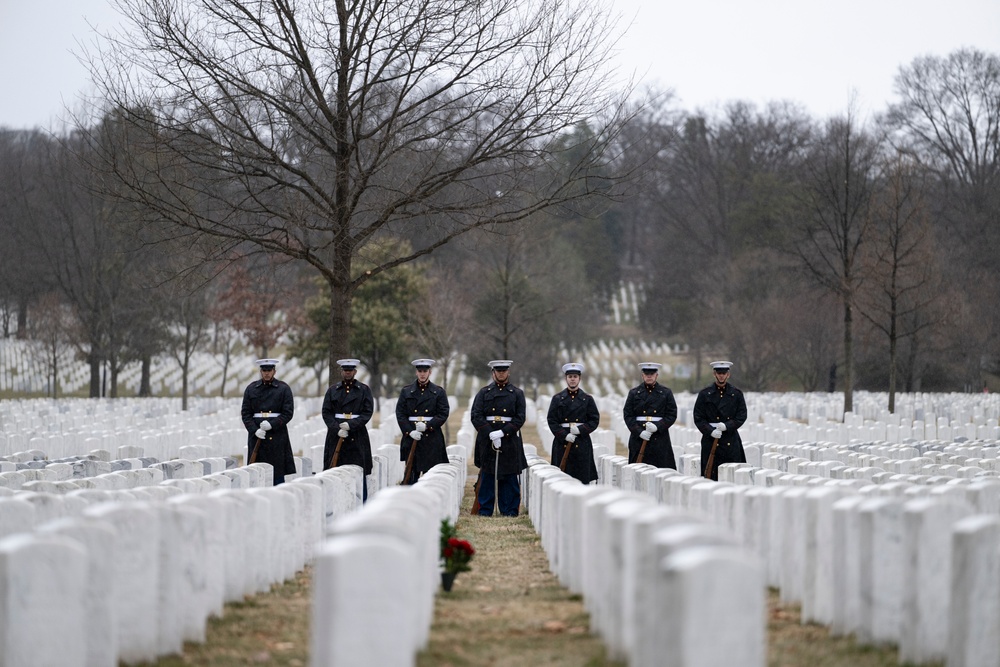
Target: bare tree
column 439, row 318
column 528, row 295
column 835, row 223
column 509, row 310
column 50, row 330
column 948, row 119
column 903, row 282
column 91, row 254
column 753, row 326
column 724, row 183
column 254, row 302
column 309, row 127
column 24, row 158
column 809, row 337
column 224, row 341
column 188, row 327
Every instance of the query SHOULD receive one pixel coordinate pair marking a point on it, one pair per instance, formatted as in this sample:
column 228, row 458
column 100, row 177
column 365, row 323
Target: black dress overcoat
column 645, row 404
column 489, row 408
column 725, row 405
column 354, row 402
column 430, row 405
column 577, row 408
column 274, row 402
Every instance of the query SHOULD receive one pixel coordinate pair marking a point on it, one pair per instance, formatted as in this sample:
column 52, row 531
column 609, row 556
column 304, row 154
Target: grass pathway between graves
column 508, row 610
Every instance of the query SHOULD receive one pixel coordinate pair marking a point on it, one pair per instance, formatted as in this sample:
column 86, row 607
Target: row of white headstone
column 124, row 611
column 24, row 367
column 131, row 567
column 160, row 430
column 885, row 526
column 379, row 569
column 894, row 559
column 663, row 586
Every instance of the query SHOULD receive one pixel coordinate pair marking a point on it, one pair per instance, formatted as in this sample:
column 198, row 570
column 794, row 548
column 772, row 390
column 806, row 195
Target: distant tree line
column 846, row 252
column 818, row 254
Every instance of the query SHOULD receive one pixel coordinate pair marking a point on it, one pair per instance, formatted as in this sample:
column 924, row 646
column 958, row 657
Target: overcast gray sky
column 708, row 51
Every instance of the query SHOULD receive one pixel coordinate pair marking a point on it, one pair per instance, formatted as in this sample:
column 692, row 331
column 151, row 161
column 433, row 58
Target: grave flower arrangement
column 455, row 553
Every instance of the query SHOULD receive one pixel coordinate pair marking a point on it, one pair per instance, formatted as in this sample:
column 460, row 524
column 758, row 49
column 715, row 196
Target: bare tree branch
column 309, row 127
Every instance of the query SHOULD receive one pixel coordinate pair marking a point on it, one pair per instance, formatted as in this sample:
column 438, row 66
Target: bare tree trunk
column 184, row 381
column 22, row 319
column 95, row 375
column 144, row 376
column 340, row 325
column 55, row 370
column 226, row 358
column 848, row 356
column 114, row 379
column 319, row 380
column 892, row 357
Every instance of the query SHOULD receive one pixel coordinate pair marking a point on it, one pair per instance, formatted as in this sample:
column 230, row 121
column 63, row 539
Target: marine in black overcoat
column 574, row 407
column 271, row 401
column 491, row 404
column 645, row 403
column 724, row 404
column 429, row 404
column 354, row 402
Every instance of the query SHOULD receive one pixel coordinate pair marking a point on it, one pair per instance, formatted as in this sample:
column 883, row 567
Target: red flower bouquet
column 455, row 553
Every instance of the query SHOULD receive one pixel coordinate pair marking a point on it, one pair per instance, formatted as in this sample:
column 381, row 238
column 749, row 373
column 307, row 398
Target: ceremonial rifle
column 336, row 453
column 253, row 456
column 642, row 450
column 565, row 456
column 711, row 459
column 475, row 492
column 409, row 462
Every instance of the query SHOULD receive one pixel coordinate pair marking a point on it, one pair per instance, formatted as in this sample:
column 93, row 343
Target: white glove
column 570, row 438
column 261, row 434
column 496, row 435
column 651, row 427
column 717, row 433
column 575, row 430
column 718, row 425
column 342, row 433
column 645, row 435
column 497, row 443
column 344, row 426
column 416, row 435
column 266, row 425
column 421, row 427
